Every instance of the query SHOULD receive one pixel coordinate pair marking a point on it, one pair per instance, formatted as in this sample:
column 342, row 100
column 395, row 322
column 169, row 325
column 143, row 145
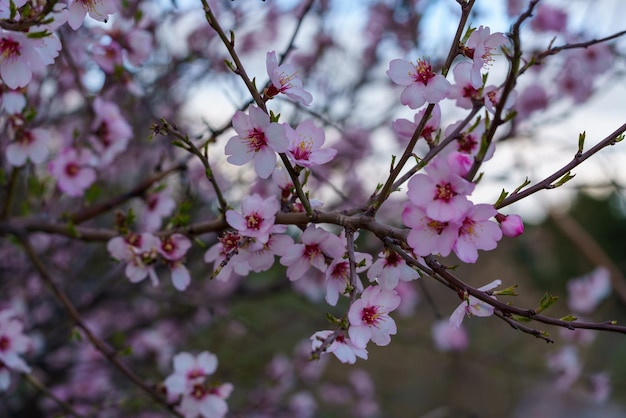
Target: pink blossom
column 409, row 299
column 156, row 206
column 174, row 247
column 369, row 316
column 428, row 236
column 481, row 46
column 29, row 145
column 257, row 216
column 139, row 46
column 492, row 97
column 139, row 252
column 600, row 387
column 5, row 8
column 305, row 144
column 472, row 306
column 575, row 80
column 97, row 9
column 422, row 84
column 596, row 59
column 13, row 102
column 110, row 133
column 405, row 129
column 257, row 139
column 440, row 192
column 19, row 58
column 344, row 349
column 284, row 79
column 190, row 369
column 477, row 232
column 188, row 382
column 108, row 57
column 338, row 276
column 73, row 170
column 468, row 141
column 261, row 255
column 549, row 19
column 317, row 244
column 227, row 257
column 449, row 338
column 466, row 91
column 389, row 269
column 585, row 293
column 13, row 343
column 566, row 363
column 511, row 225
column 531, row 99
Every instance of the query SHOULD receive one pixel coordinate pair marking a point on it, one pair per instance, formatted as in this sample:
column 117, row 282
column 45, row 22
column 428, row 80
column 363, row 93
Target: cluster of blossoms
column 187, row 387
column 424, row 85
column 141, row 252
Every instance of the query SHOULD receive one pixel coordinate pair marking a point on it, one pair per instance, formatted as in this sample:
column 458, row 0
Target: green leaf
column 566, row 177
column 581, row 142
column 509, row 291
column 92, row 193
column 521, row 186
column 38, row 35
column 568, row 318
column 520, row 318
column 273, row 117
column 503, row 195
column 76, row 335
column 547, row 301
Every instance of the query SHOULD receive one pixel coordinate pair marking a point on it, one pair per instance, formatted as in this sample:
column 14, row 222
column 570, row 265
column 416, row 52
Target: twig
column 42, row 388
column 109, row 353
column 547, row 183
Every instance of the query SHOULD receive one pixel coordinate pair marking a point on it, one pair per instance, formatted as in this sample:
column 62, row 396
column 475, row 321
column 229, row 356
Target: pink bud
column 511, row 225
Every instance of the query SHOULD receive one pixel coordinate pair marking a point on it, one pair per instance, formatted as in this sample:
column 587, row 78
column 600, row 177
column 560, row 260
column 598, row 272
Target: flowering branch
column 108, row 353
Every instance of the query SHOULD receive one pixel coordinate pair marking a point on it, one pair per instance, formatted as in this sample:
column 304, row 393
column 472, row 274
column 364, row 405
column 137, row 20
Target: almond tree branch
column 108, row 353
column 387, row 188
column 547, row 183
column 239, row 70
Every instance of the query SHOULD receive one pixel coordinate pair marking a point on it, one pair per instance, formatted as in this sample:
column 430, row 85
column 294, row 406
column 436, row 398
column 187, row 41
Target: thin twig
column 108, row 353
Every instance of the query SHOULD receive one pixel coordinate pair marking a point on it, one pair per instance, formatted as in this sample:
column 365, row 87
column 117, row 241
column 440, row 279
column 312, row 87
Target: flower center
column 423, row 72
column 437, row 226
column 444, row 192
column 198, row 391
column 9, row 48
column 256, row 140
column 312, row 251
column 370, row 315
column 254, row 221
column 303, row 150
column 72, row 169
column 4, row 343
column 230, row 242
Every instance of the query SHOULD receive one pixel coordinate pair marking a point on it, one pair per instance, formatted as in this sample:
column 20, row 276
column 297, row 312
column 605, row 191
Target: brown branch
column 547, row 183
column 508, row 310
column 108, row 353
column 378, row 199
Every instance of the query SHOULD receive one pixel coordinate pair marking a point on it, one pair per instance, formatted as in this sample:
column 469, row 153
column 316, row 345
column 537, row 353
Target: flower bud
column 511, row 225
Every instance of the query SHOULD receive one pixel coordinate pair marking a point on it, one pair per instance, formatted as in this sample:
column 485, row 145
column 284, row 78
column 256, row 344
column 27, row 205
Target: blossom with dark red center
column 369, row 316
column 73, row 170
column 423, row 85
column 477, row 232
column 317, row 245
column 257, row 139
column 441, row 192
column 389, row 269
column 284, row 79
column 257, row 216
column 341, row 347
column 338, row 276
column 428, row 236
column 305, row 143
